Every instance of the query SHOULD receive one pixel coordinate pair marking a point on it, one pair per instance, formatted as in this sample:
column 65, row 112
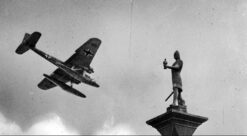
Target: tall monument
column 176, row 121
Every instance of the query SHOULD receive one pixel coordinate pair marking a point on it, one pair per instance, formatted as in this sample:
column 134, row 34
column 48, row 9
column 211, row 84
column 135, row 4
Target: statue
column 176, row 79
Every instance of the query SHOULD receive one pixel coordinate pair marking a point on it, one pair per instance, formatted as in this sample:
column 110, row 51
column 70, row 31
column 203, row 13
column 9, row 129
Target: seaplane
column 75, row 70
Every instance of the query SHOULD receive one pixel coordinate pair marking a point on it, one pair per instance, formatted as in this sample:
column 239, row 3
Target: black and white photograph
column 123, row 67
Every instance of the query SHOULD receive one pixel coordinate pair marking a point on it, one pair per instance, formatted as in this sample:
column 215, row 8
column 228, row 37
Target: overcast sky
column 136, row 36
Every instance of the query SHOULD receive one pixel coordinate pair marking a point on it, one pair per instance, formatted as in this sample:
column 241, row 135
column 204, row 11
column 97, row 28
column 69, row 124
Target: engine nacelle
column 88, row 69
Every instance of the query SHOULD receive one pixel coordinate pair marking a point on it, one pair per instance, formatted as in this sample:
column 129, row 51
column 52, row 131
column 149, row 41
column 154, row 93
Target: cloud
column 110, row 128
column 51, row 125
column 7, row 127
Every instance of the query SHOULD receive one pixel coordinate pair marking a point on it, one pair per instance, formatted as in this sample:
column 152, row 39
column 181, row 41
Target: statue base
column 182, row 108
column 176, row 121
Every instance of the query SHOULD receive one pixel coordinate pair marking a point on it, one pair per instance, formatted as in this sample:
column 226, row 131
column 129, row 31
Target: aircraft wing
column 82, row 57
column 58, row 74
column 46, row 84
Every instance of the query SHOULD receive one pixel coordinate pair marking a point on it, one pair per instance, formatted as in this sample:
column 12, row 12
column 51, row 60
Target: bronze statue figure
column 176, row 79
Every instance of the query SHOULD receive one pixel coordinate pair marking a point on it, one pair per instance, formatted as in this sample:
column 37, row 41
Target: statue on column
column 176, row 79
column 176, row 121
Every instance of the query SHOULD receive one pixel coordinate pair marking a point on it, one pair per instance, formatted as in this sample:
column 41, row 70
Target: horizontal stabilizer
column 29, row 41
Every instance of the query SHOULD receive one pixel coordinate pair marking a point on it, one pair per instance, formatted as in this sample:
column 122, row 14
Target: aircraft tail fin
column 29, row 41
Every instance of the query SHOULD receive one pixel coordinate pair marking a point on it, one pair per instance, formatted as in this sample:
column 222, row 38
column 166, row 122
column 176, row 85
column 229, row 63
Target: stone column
column 176, row 122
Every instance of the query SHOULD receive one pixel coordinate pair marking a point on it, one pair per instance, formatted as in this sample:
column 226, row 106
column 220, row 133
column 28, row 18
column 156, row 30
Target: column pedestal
column 176, row 122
